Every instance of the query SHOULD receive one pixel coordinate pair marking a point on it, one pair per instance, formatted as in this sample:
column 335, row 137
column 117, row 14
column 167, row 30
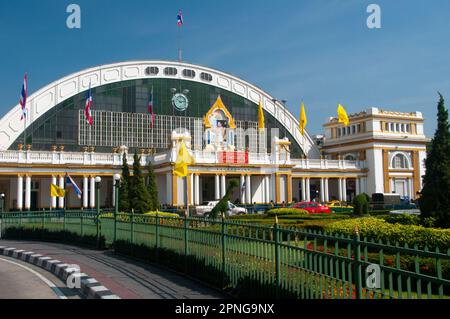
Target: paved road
column 126, row 278
column 20, row 280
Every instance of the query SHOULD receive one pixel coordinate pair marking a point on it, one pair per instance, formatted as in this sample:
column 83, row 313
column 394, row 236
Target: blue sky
column 317, row 50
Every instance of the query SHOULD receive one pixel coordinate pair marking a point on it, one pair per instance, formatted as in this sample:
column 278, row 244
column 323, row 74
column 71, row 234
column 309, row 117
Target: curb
column 90, row 287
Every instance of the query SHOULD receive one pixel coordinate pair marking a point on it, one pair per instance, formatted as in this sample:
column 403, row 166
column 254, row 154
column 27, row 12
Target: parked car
column 339, row 207
column 205, row 209
column 313, row 207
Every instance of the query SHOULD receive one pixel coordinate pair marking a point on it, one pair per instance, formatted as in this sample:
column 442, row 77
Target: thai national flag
column 87, row 111
column 23, row 98
column 150, row 109
column 71, row 183
column 180, row 19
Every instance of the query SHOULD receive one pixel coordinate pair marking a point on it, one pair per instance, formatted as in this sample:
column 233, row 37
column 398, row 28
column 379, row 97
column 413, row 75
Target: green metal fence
column 296, row 263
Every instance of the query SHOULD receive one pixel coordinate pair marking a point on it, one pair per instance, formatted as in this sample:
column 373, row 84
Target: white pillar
column 344, row 189
column 322, row 190
column 54, row 198
column 19, row 192
column 92, row 199
column 217, row 189
column 242, row 190
column 248, row 189
column 303, row 189
column 327, row 190
column 85, row 192
column 27, row 192
column 340, row 197
column 191, row 199
column 308, row 189
column 61, row 199
column 267, row 188
column 196, row 189
column 223, row 187
column 113, row 194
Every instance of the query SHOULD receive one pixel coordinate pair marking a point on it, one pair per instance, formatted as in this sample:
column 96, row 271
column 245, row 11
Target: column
column 53, row 204
column 217, row 189
column 27, row 192
column 327, row 190
column 289, row 188
column 308, row 189
column 242, row 190
column 357, row 186
column 92, row 199
column 61, row 199
column 223, row 186
column 322, row 190
column 344, row 189
column 168, row 189
column 267, row 188
column 248, row 189
column 340, row 197
column 19, row 192
column 85, row 192
column 303, row 189
column 197, row 189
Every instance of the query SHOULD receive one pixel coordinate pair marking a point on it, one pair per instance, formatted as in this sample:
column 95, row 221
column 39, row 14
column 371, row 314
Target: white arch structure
column 48, row 97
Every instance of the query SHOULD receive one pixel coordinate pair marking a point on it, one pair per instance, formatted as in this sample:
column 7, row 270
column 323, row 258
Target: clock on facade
column 180, row 102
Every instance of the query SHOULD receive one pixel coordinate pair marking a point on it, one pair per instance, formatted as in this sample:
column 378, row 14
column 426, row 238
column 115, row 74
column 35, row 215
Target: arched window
column 400, row 161
column 350, row 158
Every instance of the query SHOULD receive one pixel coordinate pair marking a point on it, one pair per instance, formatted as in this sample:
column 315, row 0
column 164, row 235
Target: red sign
column 233, row 157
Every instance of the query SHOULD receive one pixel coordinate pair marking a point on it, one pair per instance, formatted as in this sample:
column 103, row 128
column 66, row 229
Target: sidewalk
column 124, row 277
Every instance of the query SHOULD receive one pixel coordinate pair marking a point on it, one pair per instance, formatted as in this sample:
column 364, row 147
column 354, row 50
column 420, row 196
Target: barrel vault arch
column 51, row 95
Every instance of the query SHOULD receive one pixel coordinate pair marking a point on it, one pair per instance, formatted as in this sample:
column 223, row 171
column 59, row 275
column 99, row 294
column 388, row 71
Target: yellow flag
column 261, row 125
column 56, row 191
column 342, row 115
column 303, row 119
column 183, row 161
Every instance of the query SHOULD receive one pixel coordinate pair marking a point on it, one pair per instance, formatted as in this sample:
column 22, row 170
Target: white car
column 207, row 207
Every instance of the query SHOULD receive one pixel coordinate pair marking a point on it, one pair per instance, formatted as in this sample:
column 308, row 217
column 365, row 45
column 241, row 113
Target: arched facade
column 68, row 93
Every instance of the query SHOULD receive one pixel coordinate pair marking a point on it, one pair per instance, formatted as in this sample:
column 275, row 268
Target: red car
column 313, row 207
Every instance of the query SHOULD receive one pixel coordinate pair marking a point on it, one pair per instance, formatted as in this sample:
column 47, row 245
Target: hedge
column 378, row 229
column 286, row 212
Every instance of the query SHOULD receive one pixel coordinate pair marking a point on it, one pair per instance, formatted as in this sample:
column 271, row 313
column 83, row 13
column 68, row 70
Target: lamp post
column 2, row 202
column 117, row 178
column 98, row 181
column 2, row 199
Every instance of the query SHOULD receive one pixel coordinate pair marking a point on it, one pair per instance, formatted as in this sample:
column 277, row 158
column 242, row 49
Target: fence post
column 132, row 227
column 64, row 225
column 157, row 237
column 81, row 225
column 277, row 258
column 224, row 248
column 357, row 263
column 186, row 247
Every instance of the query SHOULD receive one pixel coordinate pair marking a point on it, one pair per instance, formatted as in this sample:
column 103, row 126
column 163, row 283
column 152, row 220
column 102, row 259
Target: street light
column 117, row 178
column 1, row 214
column 2, row 200
column 98, row 180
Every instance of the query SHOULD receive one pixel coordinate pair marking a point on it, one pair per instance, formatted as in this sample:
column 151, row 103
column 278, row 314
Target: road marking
column 52, row 286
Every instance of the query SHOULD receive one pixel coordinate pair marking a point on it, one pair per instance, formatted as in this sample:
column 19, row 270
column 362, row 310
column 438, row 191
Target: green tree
column 152, row 189
column 124, row 198
column 138, row 192
column 361, row 205
column 435, row 199
column 222, row 205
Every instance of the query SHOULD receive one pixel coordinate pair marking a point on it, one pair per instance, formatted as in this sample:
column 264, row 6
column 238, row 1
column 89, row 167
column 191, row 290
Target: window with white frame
column 400, row 161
